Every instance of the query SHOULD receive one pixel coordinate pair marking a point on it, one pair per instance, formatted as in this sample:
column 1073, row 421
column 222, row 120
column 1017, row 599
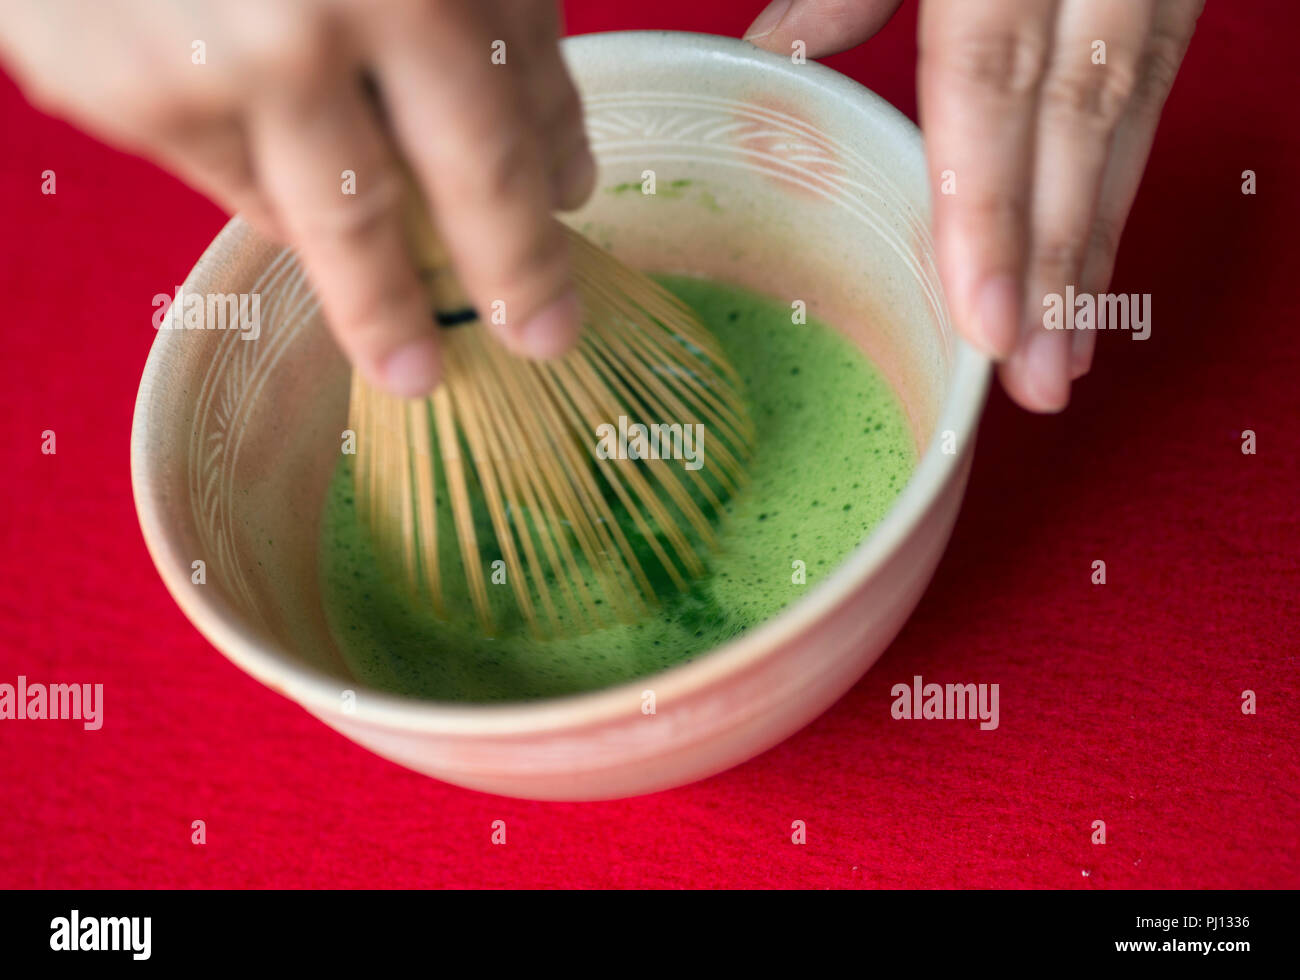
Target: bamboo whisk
column 497, row 471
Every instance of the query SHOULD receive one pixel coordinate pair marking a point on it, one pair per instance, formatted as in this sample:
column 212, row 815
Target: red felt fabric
column 1118, row 703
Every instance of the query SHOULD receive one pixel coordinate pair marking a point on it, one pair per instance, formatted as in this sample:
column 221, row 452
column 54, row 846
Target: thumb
column 824, row 26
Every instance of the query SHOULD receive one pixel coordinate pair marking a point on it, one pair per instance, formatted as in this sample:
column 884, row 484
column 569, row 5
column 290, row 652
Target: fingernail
column 997, row 316
column 413, row 369
column 766, row 22
column 1044, row 366
column 553, row 331
column 575, row 180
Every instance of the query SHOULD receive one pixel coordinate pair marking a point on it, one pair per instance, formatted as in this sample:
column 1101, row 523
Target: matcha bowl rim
column 318, row 691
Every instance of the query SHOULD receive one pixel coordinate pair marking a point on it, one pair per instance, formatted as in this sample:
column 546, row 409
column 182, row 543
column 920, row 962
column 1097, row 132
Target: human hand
column 274, row 113
column 1047, row 148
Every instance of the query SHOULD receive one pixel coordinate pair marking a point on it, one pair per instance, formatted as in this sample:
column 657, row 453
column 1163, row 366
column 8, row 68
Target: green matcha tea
column 832, row 451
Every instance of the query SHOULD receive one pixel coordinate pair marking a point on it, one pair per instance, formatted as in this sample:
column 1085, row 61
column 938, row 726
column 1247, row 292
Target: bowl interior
column 787, row 179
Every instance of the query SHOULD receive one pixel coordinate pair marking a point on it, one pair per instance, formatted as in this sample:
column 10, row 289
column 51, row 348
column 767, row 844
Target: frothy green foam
column 833, row 450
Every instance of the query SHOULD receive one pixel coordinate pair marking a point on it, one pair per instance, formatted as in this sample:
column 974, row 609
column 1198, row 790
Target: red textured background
column 1119, row 703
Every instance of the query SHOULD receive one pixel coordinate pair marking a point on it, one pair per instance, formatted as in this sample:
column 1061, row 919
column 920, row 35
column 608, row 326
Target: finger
column 482, row 168
column 570, row 166
column 980, row 68
column 1171, row 32
column 1090, row 77
column 825, row 26
column 352, row 244
column 556, row 108
column 214, row 157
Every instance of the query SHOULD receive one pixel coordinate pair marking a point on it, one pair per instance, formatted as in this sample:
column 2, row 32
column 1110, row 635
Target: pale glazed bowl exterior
column 784, row 177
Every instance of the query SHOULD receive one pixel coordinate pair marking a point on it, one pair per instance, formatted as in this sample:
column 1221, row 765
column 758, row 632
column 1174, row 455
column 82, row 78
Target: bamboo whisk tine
column 498, row 473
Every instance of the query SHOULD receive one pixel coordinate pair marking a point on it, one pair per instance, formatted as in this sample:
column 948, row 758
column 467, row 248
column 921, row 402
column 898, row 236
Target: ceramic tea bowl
column 785, row 178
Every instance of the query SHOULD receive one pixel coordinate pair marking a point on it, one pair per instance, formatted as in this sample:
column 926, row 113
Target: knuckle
column 1005, row 213
column 1006, row 62
column 504, row 164
column 1059, row 259
column 230, row 180
column 221, row 149
column 558, row 113
column 568, row 114
column 359, row 220
column 1094, row 95
column 1104, row 238
column 1156, row 72
column 565, row 140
